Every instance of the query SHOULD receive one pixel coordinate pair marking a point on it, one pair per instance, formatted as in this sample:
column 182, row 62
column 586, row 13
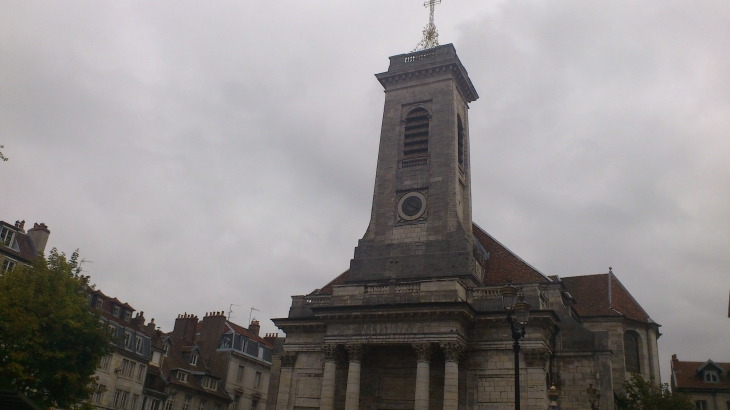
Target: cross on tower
column 430, row 34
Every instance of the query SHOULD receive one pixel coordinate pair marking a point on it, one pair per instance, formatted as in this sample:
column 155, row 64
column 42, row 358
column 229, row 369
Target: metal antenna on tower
column 430, row 34
column 230, row 310
column 250, row 314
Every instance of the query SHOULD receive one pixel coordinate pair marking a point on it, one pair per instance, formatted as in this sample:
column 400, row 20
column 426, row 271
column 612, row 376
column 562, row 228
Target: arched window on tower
column 460, row 147
column 631, row 352
column 415, row 141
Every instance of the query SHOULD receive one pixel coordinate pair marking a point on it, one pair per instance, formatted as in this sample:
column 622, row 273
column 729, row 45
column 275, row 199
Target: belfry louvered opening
column 415, row 142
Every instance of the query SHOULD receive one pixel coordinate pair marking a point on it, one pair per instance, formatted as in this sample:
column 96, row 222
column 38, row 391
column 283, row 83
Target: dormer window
column 7, row 237
column 194, row 359
column 166, row 348
column 138, row 345
column 127, row 315
column 115, row 311
column 711, row 376
column 99, row 303
column 209, row 383
column 182, row 376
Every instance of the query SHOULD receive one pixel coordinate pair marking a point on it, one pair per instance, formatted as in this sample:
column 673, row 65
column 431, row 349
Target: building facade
column 240, row 357
column 417, row 322
column 121, row 374
column 707, row 382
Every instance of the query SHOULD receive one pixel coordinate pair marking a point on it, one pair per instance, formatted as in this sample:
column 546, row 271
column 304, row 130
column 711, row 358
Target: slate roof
column 245, row 332
column 591, row 293
column 503, row 264
column 175, row 360
column 685, row 376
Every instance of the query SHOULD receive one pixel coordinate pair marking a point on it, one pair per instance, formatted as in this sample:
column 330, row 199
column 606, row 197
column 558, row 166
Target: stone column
column 352, row 397
column 327, row 400
column 288, row 359
column 423, row 364
column 452, row 350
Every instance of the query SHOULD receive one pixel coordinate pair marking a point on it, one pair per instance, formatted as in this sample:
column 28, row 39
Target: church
column 417, row 321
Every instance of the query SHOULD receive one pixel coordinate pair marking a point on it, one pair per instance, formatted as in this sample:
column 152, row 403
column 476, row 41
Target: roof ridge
column 510, row 251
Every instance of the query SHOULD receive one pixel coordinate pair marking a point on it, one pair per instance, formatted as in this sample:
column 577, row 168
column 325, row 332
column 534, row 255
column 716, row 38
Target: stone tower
column 420, row 226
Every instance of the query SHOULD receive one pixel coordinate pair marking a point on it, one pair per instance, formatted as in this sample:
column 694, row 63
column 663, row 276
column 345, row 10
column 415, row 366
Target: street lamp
column 594, row 396
column 513, row 302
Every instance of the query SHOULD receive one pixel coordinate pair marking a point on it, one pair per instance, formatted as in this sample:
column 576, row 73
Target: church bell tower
column 420, row 226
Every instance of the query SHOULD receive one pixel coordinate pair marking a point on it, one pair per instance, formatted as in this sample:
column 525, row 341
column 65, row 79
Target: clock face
column 412, row 205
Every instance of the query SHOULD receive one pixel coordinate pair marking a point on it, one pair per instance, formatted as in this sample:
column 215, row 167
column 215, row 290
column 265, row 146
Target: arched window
column 460, row 137
column 415, row 141
column 631, row 352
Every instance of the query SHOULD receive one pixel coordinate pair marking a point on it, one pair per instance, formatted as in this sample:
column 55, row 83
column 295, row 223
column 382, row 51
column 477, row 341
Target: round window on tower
column 412, row 206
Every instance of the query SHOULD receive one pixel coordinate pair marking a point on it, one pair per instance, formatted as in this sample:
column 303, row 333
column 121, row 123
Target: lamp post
column 594, row 396
column 513, row 302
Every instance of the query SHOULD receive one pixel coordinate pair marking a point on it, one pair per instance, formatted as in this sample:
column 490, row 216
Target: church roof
column 594, row 297
column 503, row 264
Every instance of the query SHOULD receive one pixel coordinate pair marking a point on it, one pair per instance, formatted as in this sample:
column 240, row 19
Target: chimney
column 185, row 327
column 254, row 327
column 20, row 225
column 150, row 328
column 211, row 329
column 138, row 320
column 39, row 235
column 271, row 338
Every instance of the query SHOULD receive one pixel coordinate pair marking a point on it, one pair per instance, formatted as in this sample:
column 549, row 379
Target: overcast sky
column 204, row 154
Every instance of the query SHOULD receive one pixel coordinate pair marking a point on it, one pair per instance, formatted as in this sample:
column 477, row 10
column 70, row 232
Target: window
column 6, row 237
column 631, row 352
column 254, row 404
column 115, row 311
column 99, row 303
column 194, row 359
column 170, row 402
column 237, row 398
column 8, row 265
column 113, row 331
column 141, row 372
column 123, row 400
column 209, row 383
column 460, row 142
column 701, row 405
column 154, row 405
column 239, row 374
column 183, row 377
column 88, row 298
column 98, row 393
column 135, row 399
column 138, row 344
column 257, row 380
column 711, row 376
column 127, row 340
column 203, row 403
column 127, row 315
column 128, row 368
column 117, row 398
column 415, row 138
column 186, row 404
column 105, row 362
column 166, row 348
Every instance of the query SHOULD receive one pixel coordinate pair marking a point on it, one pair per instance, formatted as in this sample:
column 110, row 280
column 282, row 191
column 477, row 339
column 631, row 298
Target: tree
column 50, row 341
column 2, row 157
column 642, row 395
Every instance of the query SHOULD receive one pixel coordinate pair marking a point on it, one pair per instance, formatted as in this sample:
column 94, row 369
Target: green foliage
column 642, row 395
column 2, row 157
column 50, row 341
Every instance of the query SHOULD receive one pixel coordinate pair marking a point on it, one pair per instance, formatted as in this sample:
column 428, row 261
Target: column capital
column 330, row 352
column 355, row 352
column 452, row 350
column 288, row 359
column 423, row 351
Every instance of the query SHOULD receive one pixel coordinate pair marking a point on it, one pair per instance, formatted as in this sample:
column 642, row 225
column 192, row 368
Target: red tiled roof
column 175, row 360
column 503, row 265
column 591, row 295
column 685, row 376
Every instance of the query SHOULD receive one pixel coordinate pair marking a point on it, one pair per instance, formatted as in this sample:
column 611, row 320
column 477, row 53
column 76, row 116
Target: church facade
column 417, row 321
